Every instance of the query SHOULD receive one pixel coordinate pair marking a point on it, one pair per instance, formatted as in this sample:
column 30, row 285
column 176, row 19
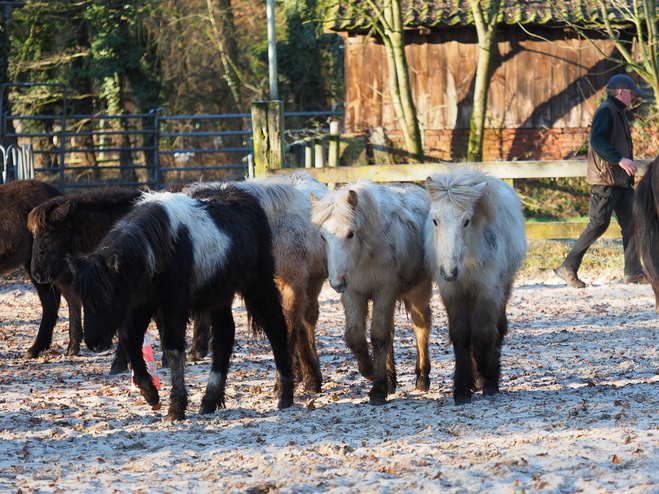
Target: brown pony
column 17, row 199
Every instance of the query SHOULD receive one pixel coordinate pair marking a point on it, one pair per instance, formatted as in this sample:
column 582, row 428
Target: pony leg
column 381, row 339
column 200, row 337
column 172, row 325
column 132, row 337
column 392, row 380
column 312, row 311
column 419, row 306
column 459, row 332
column 120, row 362
column 224, row 331
column 490, row 324
column 294, row 303
column 75, row 322
column 356, row 310
column 50, row 300
column 263, row 303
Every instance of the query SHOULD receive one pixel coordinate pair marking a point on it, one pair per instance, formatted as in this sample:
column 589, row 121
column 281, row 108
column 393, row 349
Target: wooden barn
column 543, row 90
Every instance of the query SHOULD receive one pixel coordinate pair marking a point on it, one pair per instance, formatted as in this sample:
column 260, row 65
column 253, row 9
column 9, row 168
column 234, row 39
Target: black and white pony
column 300, row 260
column 475, row 243
column 172, row 257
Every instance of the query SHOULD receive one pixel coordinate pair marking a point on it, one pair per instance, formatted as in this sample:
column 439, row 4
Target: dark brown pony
column 75, row 225
column 646, row 221
column 17, row 199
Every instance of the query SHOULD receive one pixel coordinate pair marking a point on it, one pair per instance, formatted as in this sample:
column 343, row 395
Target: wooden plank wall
column 535, row 83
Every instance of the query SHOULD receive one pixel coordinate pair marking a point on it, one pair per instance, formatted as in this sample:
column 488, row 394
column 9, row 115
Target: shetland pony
column 172, row 257
column 475, row 243
column 646, row 222
column 74, row 225
column 16, row 201
column 300, row 261
column 375, row 249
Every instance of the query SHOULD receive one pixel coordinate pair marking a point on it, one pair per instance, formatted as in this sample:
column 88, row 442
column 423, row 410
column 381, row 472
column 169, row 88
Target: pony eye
column 350, row 234
column 466, row 223
column 435, row 222
column 322, row 236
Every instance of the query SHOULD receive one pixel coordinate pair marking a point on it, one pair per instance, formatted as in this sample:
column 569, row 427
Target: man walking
column 610, row 171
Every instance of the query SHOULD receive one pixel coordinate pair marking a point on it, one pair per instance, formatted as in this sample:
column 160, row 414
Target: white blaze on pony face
column 336, row 219
column 210, row 244
column 452, row 216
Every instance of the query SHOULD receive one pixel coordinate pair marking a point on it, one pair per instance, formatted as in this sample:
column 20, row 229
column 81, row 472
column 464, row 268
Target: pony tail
column 646, row 219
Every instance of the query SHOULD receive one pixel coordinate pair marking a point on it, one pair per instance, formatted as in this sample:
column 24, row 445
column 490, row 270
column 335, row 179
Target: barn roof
column 348, row 15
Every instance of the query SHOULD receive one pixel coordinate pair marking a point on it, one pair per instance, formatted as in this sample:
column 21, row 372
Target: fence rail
column 506, row 170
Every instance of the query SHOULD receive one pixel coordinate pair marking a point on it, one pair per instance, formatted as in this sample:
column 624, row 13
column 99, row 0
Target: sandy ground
column 578, row 412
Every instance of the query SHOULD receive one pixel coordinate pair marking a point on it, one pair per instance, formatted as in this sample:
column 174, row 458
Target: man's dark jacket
column 600, row 171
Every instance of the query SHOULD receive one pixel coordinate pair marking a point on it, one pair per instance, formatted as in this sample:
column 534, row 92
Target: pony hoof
column 72, row 351
column 196, row 355
column 313, row 387
column 32, row 352
column 118, row 369
column 461, row 400
column 285, row 402
column 490, row 390
column 207, row 408
column 423, row 384
column 377, row 401
column 175, row 416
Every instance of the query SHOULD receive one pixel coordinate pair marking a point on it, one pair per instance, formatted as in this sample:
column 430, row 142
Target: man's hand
column 629, row 166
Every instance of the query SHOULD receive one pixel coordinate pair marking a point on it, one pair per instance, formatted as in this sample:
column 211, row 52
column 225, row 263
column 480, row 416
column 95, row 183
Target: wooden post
column 268, row 132
column 319, row 152
column 308, row 152
column 333, row 148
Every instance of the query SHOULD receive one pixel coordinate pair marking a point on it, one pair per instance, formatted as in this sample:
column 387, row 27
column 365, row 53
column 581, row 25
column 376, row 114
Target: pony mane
column 335, row 204
column 458, row 188
column 275, row 196
column 53, row 211
column 304, row 182
column 92, row 280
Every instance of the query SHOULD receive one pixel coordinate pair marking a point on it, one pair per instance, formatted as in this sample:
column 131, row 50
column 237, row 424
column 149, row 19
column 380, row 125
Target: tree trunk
column 399, row 81
column 487, row 41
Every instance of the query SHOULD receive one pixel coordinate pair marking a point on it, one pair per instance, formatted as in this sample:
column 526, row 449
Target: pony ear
column 75, row 263
column 61, row 212
column 485, row 203
column 353, row 199
column 313, row 198
column 430, row 185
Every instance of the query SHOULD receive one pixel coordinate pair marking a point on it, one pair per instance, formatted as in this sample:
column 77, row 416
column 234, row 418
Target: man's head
column 623, row 88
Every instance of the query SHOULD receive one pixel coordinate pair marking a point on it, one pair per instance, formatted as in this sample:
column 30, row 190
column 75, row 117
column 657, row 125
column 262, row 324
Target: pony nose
column 341, row 286
column 452, row 277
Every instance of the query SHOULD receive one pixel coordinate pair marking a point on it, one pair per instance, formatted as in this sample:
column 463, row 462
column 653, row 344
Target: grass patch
column 554, row 199
column 543, row 256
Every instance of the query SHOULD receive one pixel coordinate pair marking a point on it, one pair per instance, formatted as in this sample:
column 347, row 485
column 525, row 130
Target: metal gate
column 152, row 150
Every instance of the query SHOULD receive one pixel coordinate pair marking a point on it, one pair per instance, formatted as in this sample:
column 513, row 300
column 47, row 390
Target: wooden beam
column 418, row 173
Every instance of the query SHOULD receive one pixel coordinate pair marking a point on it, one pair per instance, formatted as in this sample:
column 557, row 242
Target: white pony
column 374, row 237
column 475, row 243
column 300, row 261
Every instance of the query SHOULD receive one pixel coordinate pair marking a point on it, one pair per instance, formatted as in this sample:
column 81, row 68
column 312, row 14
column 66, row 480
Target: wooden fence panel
column 504, row 170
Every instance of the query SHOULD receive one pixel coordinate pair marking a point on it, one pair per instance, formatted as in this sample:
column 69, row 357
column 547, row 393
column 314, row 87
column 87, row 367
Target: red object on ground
column 147, row 352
